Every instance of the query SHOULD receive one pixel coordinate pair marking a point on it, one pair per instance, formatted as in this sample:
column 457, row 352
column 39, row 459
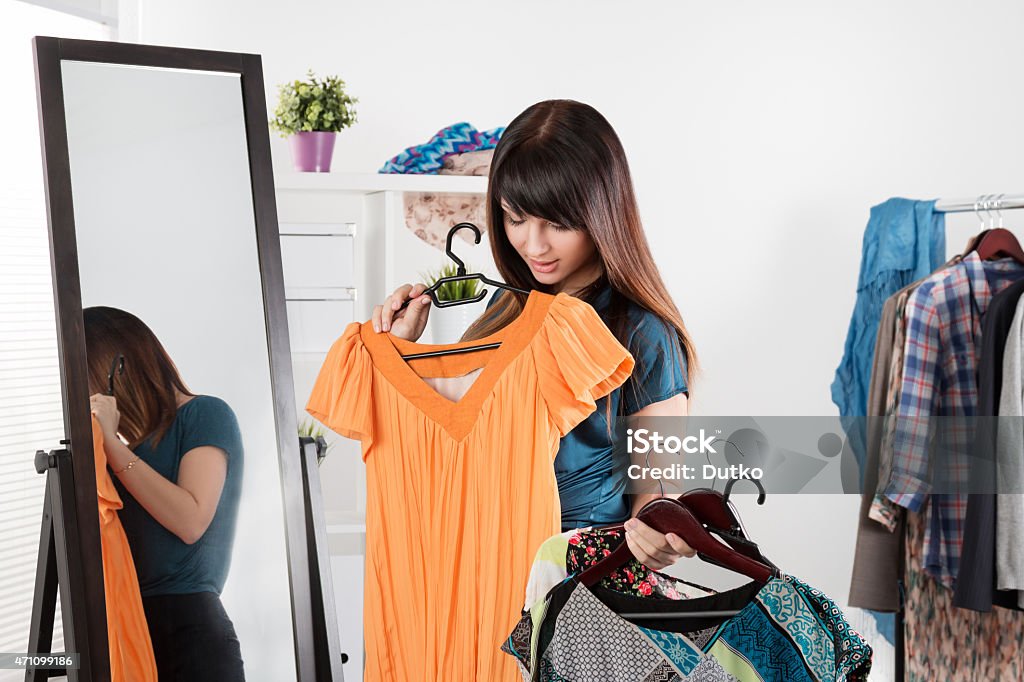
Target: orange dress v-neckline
column 459, row 494
column 455, row 417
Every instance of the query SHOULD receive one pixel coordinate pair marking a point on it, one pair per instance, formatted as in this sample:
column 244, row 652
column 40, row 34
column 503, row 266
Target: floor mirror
column 167, row 280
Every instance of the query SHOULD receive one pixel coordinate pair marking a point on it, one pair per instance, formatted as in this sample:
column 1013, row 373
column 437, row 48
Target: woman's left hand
column 653, row 549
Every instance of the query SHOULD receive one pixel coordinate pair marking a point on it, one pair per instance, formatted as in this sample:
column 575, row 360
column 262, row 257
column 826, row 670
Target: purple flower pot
column 312, row 151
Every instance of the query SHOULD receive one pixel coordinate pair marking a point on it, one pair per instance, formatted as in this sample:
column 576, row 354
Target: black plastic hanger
column 460, row 276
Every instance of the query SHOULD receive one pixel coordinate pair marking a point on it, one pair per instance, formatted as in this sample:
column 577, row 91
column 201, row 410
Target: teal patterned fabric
column 429, row 157
column 677, row 649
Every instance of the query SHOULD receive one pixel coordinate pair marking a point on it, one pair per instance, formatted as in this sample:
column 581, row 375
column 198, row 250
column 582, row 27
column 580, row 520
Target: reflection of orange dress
column 131, row 651
column 461, row 494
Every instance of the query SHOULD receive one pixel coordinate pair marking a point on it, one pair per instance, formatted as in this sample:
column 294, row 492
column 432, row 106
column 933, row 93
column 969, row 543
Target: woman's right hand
column 107, row 414
column 406, row 324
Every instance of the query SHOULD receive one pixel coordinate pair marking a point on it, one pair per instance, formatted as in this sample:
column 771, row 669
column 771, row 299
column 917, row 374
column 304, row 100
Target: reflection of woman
column 179, row 476
column 563, row 218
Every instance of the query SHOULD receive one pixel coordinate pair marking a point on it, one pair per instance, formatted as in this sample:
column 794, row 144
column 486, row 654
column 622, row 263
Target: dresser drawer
column 317, row 260
column 314, row 325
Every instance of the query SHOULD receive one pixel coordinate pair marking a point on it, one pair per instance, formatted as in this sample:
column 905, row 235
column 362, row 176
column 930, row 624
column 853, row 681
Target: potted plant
column 311, row 112
column 449, row 326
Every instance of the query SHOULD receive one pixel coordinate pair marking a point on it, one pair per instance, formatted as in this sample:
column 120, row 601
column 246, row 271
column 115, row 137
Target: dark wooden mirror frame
column 89, row 611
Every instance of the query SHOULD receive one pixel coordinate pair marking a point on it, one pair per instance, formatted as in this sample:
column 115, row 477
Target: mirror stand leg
column 329, row 658
column 44, row 601
column 58, row 542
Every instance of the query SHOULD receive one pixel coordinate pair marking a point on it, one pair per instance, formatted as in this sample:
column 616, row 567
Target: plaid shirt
column 943, row 318
column 882, row 509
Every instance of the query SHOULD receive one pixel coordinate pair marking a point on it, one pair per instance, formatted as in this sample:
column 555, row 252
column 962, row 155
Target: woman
column 178, row 470
column 564, row 218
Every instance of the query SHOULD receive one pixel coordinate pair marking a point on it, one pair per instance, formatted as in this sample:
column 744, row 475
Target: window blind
column 31, row 415
column 94, row 11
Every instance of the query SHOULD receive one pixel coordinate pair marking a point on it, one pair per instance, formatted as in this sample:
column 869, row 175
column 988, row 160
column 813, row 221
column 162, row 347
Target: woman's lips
column 543, row 266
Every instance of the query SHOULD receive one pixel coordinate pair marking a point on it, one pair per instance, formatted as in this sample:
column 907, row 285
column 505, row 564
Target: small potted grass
column 452, row 323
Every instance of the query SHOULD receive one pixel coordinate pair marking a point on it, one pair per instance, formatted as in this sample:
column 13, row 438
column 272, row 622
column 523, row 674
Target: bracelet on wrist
column 128, row 466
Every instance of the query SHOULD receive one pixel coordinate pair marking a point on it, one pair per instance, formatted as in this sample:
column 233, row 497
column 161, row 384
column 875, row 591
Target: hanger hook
column 732, row 481
column 999, row 208
column 977, row 212
column 116, row 367
column 448, row 243
column 988, row 210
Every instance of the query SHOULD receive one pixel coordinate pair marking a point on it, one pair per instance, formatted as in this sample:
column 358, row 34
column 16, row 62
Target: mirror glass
column 165, row 228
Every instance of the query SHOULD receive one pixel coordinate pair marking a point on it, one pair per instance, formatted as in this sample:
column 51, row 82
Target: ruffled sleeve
column 342, row 396
column 578, row 361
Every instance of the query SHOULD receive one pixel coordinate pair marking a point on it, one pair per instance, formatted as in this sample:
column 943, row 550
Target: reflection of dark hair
column 561, row 161
column 145, row 392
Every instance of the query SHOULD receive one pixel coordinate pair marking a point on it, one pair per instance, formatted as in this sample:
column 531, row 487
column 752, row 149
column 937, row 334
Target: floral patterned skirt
column 951, row 644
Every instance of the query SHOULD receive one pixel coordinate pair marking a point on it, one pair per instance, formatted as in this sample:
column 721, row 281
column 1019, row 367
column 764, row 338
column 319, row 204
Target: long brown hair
column 145, row 391
column 561, row 161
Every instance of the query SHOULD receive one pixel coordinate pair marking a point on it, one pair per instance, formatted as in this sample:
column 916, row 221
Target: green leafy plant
column 452, row 291
column 313, row 105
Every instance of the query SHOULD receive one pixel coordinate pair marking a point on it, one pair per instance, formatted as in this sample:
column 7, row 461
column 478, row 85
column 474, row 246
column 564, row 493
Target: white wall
column 759, row 135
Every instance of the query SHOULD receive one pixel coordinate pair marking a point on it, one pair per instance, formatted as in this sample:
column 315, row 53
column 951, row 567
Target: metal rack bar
column 985, row 202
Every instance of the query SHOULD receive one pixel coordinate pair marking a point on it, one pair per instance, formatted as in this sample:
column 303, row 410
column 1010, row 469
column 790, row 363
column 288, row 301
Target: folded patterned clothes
column 429, row 157
column 468, row 163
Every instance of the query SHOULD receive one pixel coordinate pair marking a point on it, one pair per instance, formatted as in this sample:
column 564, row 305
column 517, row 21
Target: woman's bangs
column 531, row 183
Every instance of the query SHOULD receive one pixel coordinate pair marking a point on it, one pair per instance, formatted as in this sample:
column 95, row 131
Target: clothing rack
column 985, row 202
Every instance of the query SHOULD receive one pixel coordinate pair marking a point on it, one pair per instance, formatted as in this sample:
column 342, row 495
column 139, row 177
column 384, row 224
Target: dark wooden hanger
column 669, row 515
column 999, row 243
column 713, row 510
column 694, row 516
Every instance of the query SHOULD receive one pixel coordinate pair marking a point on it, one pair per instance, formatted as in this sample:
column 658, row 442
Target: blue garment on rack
column 885, row 622
column 904, row 241
column 429, row 157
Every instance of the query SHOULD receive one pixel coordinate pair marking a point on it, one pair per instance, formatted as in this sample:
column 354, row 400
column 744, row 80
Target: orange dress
column 461, row 494
column 131, row 650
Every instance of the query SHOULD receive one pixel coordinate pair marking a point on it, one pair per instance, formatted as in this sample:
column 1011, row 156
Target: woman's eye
column 558, row 227
column 514, row 221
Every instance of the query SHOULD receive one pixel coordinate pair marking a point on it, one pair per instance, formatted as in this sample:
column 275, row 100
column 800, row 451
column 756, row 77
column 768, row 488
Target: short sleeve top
column 460, row 494
column 591, row 481
column 164, row 563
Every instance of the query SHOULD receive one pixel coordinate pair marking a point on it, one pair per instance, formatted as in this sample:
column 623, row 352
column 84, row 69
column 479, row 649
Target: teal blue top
column 591, row 481
column 165, row 564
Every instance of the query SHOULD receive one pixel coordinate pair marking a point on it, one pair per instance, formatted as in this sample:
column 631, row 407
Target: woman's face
column 560, row 257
